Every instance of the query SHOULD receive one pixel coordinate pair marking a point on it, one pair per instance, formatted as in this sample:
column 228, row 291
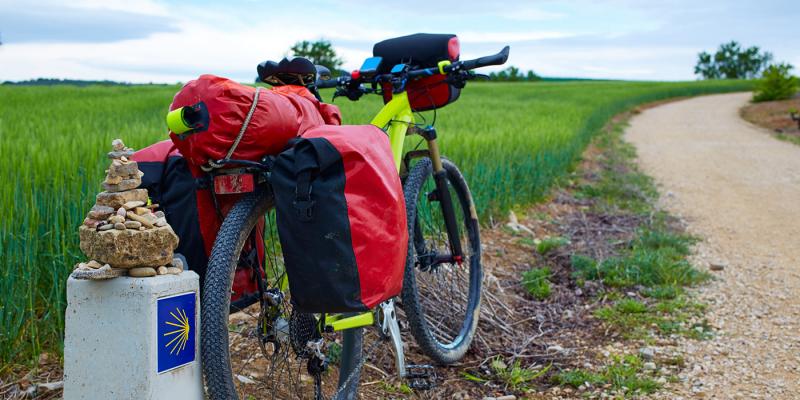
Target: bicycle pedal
column 421, row 377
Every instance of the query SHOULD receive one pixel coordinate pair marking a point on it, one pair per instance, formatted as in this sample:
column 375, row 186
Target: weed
column 549, row 244
column 624, row 374
column 584, row 268
column 515, row 376
column 536, row 281
column 526, row 241
column 663, row 292
column 400, row 388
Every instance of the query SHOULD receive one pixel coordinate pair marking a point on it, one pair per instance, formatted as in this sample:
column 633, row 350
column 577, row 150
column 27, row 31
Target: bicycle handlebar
column 495, row 59
column 330, row 83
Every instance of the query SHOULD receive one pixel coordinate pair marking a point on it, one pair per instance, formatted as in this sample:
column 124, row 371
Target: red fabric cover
column 375, row 207
column 425, row 93
column 156, row 152
column 207, row 219
column 282, row 113
column 244, row 280
column 428, row 93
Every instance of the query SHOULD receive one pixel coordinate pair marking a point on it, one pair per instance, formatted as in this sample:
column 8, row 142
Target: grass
column 653, row 262
column 514, row 377
column 625, row 374
column 655, row 258
column 549, row 244
column 536, row 282
column 512, row 141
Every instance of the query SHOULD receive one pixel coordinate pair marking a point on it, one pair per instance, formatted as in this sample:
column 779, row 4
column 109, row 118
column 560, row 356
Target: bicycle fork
column 443, row 195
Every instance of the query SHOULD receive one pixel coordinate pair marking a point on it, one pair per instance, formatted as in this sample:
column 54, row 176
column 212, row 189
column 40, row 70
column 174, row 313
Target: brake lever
column 337, row 93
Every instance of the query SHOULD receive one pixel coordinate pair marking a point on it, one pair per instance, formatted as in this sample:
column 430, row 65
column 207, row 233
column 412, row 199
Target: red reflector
column 453, row 48
column 234, row 183
column 355, row 74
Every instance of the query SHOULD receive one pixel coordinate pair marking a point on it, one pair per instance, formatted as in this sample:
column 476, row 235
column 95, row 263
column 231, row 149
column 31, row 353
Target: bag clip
column 304, row 209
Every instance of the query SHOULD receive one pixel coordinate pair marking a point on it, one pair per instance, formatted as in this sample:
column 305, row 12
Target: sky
column 175, row 41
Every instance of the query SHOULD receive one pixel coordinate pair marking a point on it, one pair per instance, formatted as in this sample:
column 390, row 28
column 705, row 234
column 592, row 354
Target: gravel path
column 739, row 189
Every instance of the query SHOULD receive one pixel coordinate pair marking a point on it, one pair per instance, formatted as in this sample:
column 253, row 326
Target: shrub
column 776, row 83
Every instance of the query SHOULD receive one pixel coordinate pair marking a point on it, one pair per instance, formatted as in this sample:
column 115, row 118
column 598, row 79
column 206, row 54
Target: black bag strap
column 305, row 164
column 310, row 157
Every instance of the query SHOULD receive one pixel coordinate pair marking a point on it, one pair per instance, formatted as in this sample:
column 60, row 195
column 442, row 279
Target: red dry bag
column 220, row 106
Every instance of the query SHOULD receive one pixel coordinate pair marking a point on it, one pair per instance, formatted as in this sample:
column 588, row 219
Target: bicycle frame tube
column 395, row 117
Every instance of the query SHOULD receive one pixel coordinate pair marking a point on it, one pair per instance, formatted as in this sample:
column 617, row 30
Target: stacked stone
column 122, row 232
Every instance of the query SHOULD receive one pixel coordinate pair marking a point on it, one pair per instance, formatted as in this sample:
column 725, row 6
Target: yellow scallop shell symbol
column 181, row 335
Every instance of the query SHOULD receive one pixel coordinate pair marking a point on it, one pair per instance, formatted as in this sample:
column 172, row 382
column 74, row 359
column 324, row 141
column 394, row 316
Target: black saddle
column 289, row 71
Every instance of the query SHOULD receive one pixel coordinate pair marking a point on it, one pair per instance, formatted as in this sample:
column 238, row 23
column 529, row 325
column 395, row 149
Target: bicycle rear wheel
column 441, row 299
column 283, row 368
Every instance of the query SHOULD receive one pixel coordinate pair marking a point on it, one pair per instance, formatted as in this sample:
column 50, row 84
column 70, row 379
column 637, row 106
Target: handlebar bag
column 341, row 219
column 420, row 50
column 221, row 107
column 184, row 195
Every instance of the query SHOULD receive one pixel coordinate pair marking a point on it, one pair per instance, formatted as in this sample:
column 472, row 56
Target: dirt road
column 739, row 189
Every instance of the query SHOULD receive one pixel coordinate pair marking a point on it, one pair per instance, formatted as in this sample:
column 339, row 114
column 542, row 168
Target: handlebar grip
column 496, row 59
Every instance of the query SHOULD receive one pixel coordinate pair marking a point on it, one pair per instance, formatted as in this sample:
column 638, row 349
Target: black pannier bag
column 341, row 219
column 421, row 50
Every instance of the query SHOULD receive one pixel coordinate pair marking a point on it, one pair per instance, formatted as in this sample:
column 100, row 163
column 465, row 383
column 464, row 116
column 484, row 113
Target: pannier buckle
column 304, row 209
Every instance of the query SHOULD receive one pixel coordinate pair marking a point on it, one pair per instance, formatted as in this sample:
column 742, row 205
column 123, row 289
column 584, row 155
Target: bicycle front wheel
column 441, row 298
column 271, row 343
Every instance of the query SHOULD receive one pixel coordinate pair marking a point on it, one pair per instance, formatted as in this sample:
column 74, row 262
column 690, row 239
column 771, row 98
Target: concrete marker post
column 133, row 338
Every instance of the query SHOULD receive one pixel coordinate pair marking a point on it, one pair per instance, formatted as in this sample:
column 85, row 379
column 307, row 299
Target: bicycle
column 443, row 260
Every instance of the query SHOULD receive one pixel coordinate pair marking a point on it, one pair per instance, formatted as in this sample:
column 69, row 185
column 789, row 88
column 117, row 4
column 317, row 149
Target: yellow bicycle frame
column 396, row 116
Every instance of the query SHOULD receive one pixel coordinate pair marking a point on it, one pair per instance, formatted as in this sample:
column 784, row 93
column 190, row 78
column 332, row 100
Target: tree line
column 732, row 61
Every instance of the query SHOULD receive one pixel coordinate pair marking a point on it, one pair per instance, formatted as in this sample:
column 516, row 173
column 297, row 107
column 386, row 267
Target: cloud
column 153, row 40
column 530, row 14
column 510, row 37
column 62, row 24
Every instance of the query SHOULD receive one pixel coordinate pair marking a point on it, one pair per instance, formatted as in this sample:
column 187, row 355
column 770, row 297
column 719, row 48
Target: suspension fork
column 443, row 194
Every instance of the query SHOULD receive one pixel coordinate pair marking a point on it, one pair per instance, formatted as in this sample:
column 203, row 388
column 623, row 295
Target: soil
column 739, row 189
column 774, row 115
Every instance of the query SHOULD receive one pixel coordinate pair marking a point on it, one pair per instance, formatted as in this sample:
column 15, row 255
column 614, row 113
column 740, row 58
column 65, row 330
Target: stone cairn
column 122, row 234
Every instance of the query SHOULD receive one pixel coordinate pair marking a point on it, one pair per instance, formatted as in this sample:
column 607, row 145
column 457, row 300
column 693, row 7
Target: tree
column 732, row 62
column 776, row 83
column 320, row 52
column 513, row 74
column 532, row 77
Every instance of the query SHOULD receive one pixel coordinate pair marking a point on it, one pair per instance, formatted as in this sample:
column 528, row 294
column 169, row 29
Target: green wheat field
column 511, row 140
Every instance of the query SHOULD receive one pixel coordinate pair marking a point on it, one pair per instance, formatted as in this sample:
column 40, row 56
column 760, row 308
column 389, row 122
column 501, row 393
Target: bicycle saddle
column 289, row 71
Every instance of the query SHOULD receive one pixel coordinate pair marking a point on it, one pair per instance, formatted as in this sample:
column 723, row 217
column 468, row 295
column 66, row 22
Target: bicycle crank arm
column 390, row 328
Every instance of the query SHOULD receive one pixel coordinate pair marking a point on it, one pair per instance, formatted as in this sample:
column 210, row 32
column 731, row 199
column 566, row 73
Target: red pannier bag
column 184, row 194
column 220, row 107
column 421, row 50
column 341, row 219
